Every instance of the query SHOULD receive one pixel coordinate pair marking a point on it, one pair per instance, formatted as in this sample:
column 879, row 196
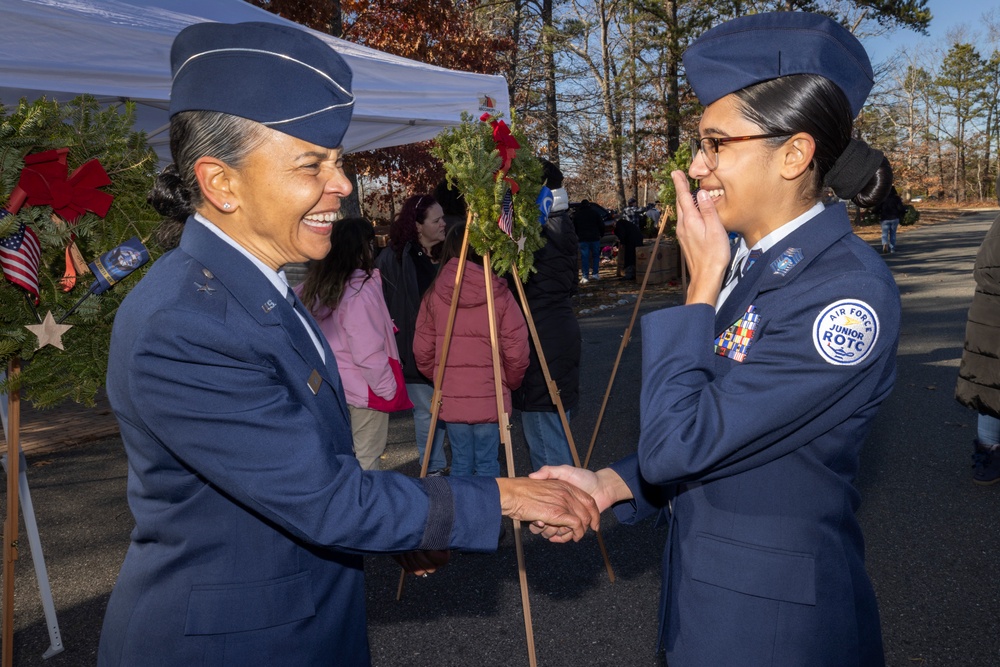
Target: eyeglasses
column 709, row 146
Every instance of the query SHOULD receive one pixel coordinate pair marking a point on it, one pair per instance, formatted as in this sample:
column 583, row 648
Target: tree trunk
column 611, row 115
column 336, row 19
column 551, row 115
column 673, row 110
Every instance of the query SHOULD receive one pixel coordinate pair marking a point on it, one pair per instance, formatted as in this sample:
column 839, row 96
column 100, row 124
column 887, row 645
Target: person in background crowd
column 757, row 395
column 468, row 395
column 344, row 293
column 589, row 231
column 408, row 265
column 452, row 204
column 890, row 212
column 653, row 213
column 251, row 512
column 549, row 293
column 979, row 373
column 629, row 238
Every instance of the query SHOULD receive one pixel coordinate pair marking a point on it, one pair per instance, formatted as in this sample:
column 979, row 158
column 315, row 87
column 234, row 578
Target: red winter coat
column 468, row 394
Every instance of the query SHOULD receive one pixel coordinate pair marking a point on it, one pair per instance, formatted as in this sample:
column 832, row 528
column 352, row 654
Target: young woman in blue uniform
column 759, row 392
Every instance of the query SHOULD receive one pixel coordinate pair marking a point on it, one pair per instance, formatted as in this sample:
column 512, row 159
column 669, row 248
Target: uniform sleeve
column 697, row 426
column 360, row 316
column 425, row 338
column 223, row 405
column 647, row 499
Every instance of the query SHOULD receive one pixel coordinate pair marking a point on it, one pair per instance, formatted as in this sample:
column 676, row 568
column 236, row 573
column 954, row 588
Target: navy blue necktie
column 301, row 309
column 751, row 258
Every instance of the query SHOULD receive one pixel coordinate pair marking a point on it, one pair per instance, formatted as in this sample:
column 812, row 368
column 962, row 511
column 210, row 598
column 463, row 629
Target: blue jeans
column 546, row 438
column 590, row 258
column 474, row 449
column 889, row 233
column 420, row 395
column 989, row 429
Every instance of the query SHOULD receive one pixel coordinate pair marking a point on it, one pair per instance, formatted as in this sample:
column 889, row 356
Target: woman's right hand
column 704, row 242
column 605, row 486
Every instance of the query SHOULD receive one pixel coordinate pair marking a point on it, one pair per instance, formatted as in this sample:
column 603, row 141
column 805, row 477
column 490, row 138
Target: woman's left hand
column 422, row 563
column 704, row 242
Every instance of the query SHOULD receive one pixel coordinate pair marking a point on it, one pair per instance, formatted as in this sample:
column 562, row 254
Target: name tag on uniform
column 315, row 381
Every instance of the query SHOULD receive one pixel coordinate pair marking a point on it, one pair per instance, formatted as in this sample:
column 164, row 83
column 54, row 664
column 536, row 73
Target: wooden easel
column 10, row 525
column 628, row 332
column 503, row 417
column 22, row 500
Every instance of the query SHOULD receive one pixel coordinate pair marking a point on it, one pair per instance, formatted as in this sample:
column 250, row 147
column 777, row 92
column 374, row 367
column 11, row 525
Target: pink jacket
column 360, row 332
column 468, row 394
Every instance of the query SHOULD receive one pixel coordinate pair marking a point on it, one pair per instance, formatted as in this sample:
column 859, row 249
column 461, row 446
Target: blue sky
column 948, row 14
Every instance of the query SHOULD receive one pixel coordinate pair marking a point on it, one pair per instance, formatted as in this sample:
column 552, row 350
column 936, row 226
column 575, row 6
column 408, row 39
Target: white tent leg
column 37, row 557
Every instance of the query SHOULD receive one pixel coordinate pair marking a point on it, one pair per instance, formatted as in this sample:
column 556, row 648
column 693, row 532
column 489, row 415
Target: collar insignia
column 786, row 261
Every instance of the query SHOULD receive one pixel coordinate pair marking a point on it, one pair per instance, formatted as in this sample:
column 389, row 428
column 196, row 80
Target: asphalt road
column 931, row 534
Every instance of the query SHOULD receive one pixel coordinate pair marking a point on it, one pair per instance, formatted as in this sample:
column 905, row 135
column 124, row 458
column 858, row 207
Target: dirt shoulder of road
column 611, row 292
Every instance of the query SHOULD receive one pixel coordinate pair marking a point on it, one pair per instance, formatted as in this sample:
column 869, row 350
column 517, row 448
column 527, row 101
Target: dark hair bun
column 169, row 196
column 877, row 188
column 855, row 169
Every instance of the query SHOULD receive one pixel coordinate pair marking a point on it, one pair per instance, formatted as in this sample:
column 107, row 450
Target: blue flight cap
column 279, row 76
column 760, row 47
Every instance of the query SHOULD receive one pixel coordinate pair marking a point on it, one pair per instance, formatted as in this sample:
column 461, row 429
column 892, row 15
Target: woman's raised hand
column 704, row 242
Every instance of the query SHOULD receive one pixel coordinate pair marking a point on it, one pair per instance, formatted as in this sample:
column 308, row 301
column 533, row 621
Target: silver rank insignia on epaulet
column 206, row 288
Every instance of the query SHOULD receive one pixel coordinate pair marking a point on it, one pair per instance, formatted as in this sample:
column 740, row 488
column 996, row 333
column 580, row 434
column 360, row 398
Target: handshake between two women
column 558, row 502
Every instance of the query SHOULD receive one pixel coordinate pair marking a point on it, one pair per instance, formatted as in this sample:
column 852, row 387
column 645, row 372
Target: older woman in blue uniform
column 759, row 392
column 251, row 511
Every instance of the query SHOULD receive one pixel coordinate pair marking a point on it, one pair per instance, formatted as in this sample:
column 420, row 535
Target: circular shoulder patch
column 845, row 332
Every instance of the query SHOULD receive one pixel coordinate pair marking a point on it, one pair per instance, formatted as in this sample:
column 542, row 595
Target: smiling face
column 746, row 186
column 431, row 230
column 287, row 196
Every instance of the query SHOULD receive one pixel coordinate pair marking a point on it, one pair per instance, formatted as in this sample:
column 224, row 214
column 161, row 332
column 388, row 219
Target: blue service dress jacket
column 752, row 422
column 251, row 511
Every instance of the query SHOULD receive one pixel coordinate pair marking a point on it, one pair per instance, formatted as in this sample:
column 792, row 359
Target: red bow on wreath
column 43, row 182
column 507, row 146
column 44, row 176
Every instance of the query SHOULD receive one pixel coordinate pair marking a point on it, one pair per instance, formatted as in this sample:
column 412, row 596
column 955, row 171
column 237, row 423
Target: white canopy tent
column 120, row 49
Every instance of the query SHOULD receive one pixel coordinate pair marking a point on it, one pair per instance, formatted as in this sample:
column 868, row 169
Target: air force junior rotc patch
column 734, row 341
column 845, row 332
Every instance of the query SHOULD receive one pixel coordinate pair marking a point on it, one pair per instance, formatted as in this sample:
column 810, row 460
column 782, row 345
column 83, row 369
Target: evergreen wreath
column 472, row 164
column 50, row 375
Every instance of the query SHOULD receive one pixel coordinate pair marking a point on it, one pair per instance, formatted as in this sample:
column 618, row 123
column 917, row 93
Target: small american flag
column 506, row 221
column 19, row 257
